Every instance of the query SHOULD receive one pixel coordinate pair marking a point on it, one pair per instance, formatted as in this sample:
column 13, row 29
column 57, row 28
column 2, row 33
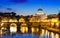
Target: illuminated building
column 40, row 15
column 40, row 18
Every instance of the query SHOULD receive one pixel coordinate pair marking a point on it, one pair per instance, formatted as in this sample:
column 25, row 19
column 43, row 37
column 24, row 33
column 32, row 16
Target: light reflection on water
column 43, row 34
column 57, row 35
column 47, row 34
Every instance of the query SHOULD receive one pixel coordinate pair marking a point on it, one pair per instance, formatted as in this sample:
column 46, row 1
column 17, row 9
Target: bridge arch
column 13, row 27
column 24, row 28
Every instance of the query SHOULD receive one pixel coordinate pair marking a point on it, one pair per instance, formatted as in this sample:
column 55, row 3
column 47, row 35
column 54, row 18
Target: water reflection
column 34, row 33
column 47, row 34
column 0, row 32
column 13, row 28
column 34, row 30
column 17, row 35
column 57, row 36
column 52, row 35
column 24, row 29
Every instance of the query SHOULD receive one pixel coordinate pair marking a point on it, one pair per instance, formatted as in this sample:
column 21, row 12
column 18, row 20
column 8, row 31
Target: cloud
column 9, row 9
column 18, row 1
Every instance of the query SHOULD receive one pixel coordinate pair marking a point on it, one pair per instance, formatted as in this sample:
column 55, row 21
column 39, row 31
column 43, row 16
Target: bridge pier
column 18, row 27
column 29, row 29
column 39, row 26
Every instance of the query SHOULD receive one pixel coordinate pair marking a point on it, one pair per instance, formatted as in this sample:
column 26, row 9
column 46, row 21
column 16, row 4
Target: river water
column 34, row 34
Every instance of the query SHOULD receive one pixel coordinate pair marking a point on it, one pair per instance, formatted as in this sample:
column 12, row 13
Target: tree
column 18, row 17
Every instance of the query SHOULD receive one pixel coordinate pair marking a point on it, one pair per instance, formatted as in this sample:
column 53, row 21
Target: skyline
column 28, row 7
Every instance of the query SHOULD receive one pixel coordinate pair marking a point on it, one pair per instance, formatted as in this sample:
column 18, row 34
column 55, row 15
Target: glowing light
column 5, row 19
column 32, row 30
column 37, row 29
column 54, row 20
column 46, row 32
column 12, row 20
column 42, row 31
column 57, row 36
column 52, row 34
column 21, row 20
column 1, row 32
column 2, row 24
column 13, row 27
column 52, row 24
column 24, row 29
column 2, row 28
column 32, row 19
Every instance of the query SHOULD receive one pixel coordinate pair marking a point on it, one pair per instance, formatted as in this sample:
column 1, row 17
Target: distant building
column 40, row 14
column 52, row 16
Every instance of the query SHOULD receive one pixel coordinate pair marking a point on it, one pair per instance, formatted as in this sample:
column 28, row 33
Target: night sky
column 28, row 7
